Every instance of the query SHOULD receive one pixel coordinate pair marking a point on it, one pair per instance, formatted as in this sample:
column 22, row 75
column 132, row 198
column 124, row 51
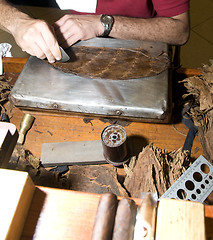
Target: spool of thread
column 114, row 144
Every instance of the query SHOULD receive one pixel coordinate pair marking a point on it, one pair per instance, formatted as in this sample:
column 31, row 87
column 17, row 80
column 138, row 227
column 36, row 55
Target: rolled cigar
column 145, row 220
column 105, row 217
column 125, row 220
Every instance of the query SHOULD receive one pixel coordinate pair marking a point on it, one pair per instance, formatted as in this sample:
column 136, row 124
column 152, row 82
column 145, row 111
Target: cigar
column 145, row 220
column 105, row 217
column 125, row 220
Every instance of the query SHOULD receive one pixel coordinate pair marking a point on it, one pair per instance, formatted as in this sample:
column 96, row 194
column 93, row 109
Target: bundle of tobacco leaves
column 200, row 90
column 155, row 170
column 5, row 89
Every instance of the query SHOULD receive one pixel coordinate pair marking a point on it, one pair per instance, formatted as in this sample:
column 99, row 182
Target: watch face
column 107, row 21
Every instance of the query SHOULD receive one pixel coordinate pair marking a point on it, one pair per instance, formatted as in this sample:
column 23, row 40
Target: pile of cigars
column 151, row 220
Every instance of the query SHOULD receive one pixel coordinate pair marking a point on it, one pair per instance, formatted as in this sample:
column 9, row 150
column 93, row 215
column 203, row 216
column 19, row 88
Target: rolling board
column 42, row 87
column 195, row 184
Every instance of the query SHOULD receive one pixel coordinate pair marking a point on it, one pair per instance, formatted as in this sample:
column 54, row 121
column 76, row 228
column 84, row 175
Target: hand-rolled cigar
column 125, row 220
column 145, row 220
column 105, row 217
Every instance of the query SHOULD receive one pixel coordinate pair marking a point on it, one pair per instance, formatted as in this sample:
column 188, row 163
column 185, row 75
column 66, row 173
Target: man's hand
column 72, row 28
column 34, row 36
column 37, row 38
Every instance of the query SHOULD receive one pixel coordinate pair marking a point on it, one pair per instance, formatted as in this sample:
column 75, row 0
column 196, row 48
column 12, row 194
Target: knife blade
column 64, row 56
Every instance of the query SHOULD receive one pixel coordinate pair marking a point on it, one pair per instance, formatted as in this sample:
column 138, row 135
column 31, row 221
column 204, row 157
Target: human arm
column 172, row 30
column 34, row 36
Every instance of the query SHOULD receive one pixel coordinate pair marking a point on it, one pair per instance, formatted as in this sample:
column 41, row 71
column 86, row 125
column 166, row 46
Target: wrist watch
column 107, row 22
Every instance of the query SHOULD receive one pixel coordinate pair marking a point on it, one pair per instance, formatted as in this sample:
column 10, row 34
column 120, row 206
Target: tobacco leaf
column 155, row 170
column 113, row 63
column 95, row 179
column 5, row 89
column 200, row 89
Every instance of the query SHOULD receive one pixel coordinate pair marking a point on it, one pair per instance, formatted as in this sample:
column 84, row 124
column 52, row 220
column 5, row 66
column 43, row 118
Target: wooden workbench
column 61, row 128
column 72, row 213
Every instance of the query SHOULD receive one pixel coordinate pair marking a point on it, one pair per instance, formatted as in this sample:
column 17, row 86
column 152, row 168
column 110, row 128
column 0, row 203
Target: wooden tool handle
column 25, row 125
column 125, row 220
column 105, row 217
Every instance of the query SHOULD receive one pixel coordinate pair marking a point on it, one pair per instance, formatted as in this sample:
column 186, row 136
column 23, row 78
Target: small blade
column 64, row 56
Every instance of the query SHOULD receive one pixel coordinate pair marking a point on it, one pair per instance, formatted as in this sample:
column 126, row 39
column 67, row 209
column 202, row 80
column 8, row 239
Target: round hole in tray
column 197, row 177
column 193, row 196
column 189, row 185
column 181, row 194
column 205, row 168
column 198, row 191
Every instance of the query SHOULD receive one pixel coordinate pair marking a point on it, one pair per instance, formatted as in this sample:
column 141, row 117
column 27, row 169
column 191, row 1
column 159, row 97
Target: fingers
column 69, row 41
column 49, row 44
column 61, row 21
column 66, row 37
column 70, row 29
column 38, row 39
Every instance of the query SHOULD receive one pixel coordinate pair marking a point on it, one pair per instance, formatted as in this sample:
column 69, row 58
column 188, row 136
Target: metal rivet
column 118, row 112
column 55, row 105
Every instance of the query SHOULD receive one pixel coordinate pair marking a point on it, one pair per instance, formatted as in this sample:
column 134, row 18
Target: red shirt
column 141, row 8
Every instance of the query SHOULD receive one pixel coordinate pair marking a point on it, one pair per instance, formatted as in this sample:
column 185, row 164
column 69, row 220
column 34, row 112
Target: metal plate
column 40, row 86
column 195, row 184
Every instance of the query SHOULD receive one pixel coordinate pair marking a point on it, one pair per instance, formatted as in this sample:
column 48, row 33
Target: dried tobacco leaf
column 155, row 170
column 200, row 88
